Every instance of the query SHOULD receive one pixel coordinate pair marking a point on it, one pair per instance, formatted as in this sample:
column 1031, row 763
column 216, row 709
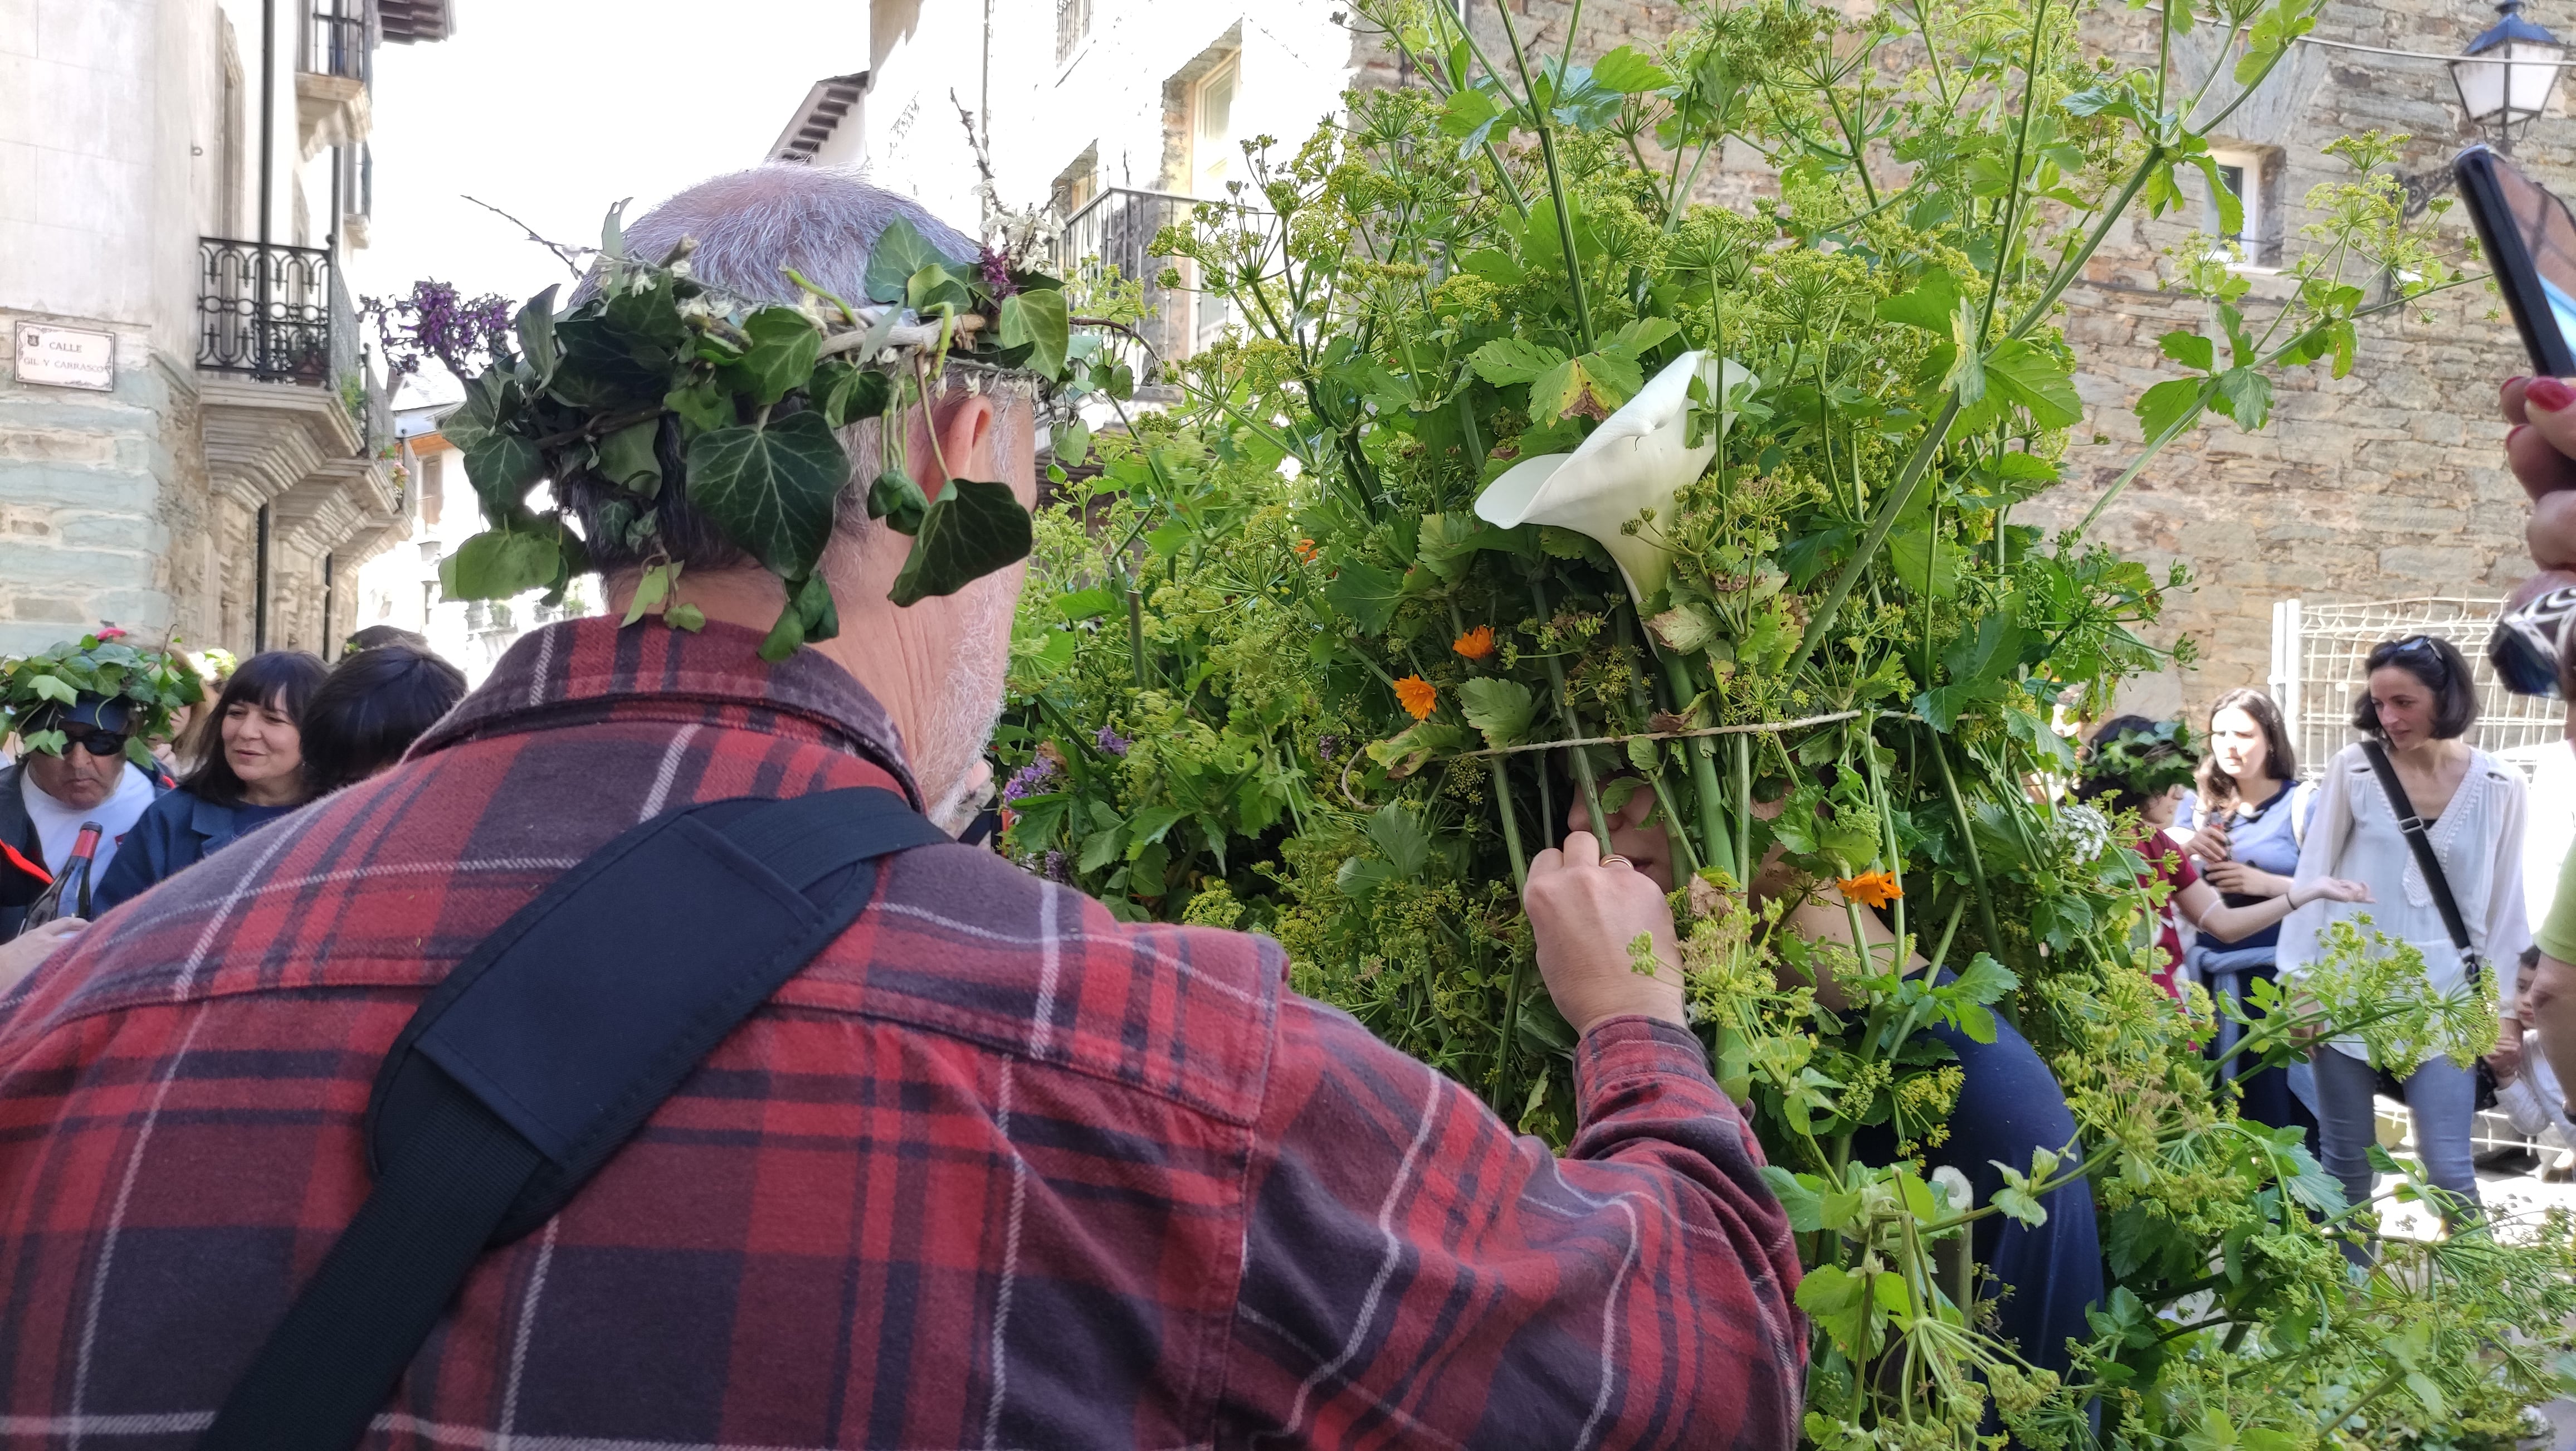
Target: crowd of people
column 275, row 732
column 981, row 1163
column 2410, row 826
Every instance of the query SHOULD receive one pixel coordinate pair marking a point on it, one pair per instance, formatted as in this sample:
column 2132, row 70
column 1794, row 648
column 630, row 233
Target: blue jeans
column 2442, row 1098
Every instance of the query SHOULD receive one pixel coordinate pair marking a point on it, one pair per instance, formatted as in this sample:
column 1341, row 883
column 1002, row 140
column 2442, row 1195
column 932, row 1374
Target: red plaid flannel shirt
column 996, row 1170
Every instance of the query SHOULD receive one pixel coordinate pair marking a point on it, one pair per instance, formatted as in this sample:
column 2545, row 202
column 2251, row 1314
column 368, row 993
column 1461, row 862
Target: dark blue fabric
column 172, row 834
column 2009, row 1104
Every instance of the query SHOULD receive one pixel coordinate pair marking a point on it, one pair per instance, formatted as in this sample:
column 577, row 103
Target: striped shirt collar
column 581, row 669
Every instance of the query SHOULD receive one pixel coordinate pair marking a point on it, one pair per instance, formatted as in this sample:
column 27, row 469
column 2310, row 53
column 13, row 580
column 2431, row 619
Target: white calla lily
column 1638, row 459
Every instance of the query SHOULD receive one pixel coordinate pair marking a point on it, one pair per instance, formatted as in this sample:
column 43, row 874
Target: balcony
column 294, row 422
column 332, row 76
column 1116, row 230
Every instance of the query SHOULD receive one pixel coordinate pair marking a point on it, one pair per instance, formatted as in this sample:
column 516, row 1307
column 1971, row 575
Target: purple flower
column 433, row 322
column 1326, row 747
column 1110, row 742
column 1029, row 780
column 997, row 273
column 1055, row 866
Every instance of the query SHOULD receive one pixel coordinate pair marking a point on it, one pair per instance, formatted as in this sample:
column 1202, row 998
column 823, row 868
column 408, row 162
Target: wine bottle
column 64, row 889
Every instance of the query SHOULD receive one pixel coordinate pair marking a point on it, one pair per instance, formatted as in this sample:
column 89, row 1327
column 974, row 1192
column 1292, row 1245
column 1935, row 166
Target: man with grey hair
column 994, row 1169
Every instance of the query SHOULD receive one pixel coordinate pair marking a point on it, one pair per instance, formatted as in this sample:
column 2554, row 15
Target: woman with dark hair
column 370, row 709
column 2135, row 764
column 254, row 775
column 2419, row 702
column 2253, row 814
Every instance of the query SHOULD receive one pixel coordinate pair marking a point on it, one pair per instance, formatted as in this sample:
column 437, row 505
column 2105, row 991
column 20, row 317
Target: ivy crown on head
column 658, row 381
column 152, row 683
column 2146, row 762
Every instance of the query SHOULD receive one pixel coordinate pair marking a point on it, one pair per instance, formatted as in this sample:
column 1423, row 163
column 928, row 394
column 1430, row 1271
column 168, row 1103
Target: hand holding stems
column 20, row 955
column 1598, row 923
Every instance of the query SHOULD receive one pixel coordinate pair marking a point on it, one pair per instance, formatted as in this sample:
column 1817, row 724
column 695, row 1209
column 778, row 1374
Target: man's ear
column 966, row 441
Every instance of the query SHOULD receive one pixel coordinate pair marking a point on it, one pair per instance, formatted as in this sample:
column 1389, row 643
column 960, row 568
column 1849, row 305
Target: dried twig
column 564, row 252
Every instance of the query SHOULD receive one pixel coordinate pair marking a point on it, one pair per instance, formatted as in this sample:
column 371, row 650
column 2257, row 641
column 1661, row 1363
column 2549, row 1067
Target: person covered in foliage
column 2044, row 1277
column 2419, row 702
column 377, row 701
column 253, row 775
column 995, row 1168
column 2134, row 764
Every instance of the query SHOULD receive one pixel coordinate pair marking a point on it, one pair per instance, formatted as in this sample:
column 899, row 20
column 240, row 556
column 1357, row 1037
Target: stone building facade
column 2384, row 484
column 178, row 182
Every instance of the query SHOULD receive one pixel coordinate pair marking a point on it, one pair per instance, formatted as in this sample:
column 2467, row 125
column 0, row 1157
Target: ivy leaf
column 1500, row 709
column 626, row 458
column 1365, row 593
column 651, row 589
column 771, row 488
column 1506, row 361
column 502, row 464
column 847, row 394
column 2032, row 377
column 784, row 343
column 896, row 499
column 970, row 530
column 52, row 687
column 899, row 252
column 1629, row 72
column 702, row 405
column 536, row 331
column 499, row 564
column 1041, row 319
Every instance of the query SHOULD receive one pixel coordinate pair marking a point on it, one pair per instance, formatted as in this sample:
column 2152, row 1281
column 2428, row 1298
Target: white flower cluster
column 2082, row 831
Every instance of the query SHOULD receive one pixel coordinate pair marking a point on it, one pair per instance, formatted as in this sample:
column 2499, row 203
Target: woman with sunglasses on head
column 253, row 775
column 2419, row 703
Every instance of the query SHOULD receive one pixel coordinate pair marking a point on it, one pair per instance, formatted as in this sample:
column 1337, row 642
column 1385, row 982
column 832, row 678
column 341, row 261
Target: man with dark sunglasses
column 45, row 798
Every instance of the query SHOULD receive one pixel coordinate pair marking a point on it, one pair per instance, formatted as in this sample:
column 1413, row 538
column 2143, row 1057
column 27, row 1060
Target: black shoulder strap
column 545, row 1049
column 2421, row 844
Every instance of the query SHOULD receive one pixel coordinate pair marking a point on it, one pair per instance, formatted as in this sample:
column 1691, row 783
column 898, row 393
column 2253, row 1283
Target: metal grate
column 1116, row 230
column 266, row 311
column 2317, row 654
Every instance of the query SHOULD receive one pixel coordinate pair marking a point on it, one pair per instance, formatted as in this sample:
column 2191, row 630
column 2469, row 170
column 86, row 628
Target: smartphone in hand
column 2529, row 237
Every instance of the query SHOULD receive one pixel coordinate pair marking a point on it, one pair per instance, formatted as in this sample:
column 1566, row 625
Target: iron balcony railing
column 265, row 310
column 336, row 45
column 1116, row 229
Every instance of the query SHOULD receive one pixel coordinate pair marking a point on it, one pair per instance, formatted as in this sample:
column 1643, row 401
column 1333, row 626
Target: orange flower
column 1871, row 889
column 1476, row 644
column 1417, row 696
column 1305, row 550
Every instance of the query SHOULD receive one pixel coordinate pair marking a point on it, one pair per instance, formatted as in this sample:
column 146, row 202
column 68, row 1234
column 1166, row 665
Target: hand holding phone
column 2529, row 238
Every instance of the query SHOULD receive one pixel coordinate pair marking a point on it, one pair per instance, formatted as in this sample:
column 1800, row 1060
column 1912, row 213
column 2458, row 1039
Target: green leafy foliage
column 655, row 388
column 1270, row 655
column 153, row 682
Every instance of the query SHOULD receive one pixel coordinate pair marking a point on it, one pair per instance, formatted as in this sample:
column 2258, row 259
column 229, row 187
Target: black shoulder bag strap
column 545, row 1049
column 2421, row 844
column 2472, row 965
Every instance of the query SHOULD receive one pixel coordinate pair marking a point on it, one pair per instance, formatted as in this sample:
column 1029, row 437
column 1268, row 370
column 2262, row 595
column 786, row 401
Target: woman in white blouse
column 2421, row 699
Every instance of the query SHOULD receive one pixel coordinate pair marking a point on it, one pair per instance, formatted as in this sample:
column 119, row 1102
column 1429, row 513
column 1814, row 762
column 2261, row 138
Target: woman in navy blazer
column 256, row 776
